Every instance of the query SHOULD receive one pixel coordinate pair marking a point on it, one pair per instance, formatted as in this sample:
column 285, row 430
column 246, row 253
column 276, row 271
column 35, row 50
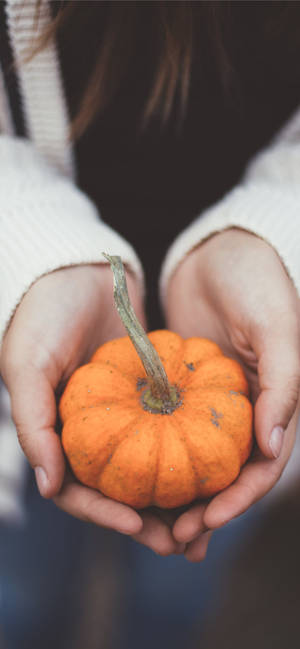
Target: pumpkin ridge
column 213, row 392
column 118, row 442
column 200, row 350
column 128, row 375
column 159, row 340
column 205, row 390
column 182, row 436
column 159, row 444
column 132, row 496
column 82, row 387
column 197, row 475
column 120, row 354
column 228, row 368
column 174, row 457
column 74, row 451
column 227, row 458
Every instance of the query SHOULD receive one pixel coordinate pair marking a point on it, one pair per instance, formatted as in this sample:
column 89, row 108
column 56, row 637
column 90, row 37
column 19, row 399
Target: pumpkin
column 164, row 431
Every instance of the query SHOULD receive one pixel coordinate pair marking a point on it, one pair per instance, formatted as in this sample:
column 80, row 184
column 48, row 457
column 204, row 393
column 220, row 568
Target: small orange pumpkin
column 144, row 444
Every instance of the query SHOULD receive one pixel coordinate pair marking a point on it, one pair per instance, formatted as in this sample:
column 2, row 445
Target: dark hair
column 174, row 24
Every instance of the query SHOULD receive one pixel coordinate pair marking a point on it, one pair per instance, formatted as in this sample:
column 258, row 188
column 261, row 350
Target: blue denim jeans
column 165, row 598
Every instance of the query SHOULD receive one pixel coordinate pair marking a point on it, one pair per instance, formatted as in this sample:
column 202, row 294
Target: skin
column 59, row 323
column 233, row 289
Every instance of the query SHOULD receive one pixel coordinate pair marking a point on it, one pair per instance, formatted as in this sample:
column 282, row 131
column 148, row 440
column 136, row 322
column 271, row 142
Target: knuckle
column 91, row 507
column 18, row 365
column 164, row 552
column 293, row 388
column 10, row 368
column 249, row 494
column 275, row 474
column 275, row 471
column 23, row 436
column 201, row 554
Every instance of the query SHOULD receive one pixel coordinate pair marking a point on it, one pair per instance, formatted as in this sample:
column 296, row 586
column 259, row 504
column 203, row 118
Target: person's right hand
column 59, row 323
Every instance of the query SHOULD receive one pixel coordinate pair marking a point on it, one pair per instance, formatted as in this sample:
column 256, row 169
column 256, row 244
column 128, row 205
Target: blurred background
column 67, row 584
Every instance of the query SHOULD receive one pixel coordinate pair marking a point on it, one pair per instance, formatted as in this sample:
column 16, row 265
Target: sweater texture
column 235, row 164
column 150, row 185
column 46, row 221
column 229, row 167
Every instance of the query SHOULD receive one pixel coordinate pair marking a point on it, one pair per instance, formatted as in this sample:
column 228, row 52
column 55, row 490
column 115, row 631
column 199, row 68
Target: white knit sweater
column 46, row 222
column 266, row 202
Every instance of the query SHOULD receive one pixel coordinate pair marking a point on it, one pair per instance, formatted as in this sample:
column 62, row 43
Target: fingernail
column 41, row 479
column 276, row 440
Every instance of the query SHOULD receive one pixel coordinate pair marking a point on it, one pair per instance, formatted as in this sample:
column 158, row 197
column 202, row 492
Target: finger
column 157, row 536
column 168, row 516
column 91, row 506
column 196, row 551
column 256, row 479
column 34, row 414
column 190, row 524
column 279, row 379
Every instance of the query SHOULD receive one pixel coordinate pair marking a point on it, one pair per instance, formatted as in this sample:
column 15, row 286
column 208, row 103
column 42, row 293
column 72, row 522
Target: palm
column 218, row 293
column 63, row 318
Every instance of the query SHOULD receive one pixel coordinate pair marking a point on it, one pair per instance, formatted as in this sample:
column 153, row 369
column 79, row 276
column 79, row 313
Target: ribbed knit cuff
column 272, row 211
column 46, row 223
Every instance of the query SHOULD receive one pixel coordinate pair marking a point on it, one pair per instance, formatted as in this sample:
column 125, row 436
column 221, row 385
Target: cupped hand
column 59, row 323
column 234, row 290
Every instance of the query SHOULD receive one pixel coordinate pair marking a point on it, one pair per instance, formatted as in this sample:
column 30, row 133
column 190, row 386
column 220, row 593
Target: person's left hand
column 234, row 290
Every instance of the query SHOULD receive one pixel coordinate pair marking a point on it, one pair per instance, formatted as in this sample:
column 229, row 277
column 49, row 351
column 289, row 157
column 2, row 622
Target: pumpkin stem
column 163, row 394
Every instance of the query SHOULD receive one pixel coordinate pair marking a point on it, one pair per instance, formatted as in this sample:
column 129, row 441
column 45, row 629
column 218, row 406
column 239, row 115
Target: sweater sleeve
column 46, row 223
column 266, row 203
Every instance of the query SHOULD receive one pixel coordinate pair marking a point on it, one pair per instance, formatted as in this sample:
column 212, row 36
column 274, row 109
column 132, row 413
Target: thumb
column 34, row 414
column 279, row 381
